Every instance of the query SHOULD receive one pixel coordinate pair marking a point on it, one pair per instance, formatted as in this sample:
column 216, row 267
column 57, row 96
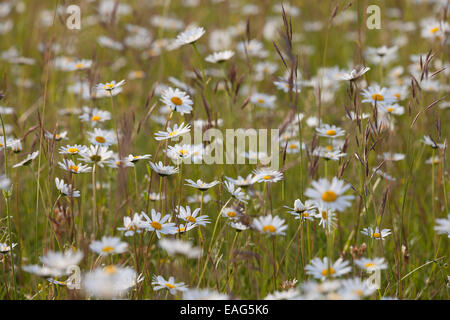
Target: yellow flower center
column 156, row 225
column 324, row 215
column 331, row 132
column 329, row 147
column 369, row 265
column 170, row 286
column 390, row 109
column 182, row 229
column 327, row 272
column 305, row 214
column 358, row 292
column 268, row 177
column 293, row 146
column 73, row 168
column 376, row 235
column 100, row 139
column 108, row 86
column 377, row 97
column 95, row 118
column 329, row 196
column 108, row 249
column 183, row 152
column 79, row 66
column 191, row 219
column 269, row 228
column 177, row 101
column 231, row 214
column 172, row 133
column 260, row 100
column 110, row 269
column 397, row 95
column 434, row 30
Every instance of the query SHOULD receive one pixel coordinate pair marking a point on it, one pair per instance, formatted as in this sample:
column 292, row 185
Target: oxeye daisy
column 179, row 152
column 291, row 294
column 322, row 268
column 389, row 156
column 197, row 198
column 377, row 95
column 433, row 144
column 71, row 166
column 330, row 194
column 61, row 260
column 354, row 74
column 5, row 248
column 96, row 154
column 95, row 116
column 163, row 170
column 236, row 192
column 80, row 64
column 218, row 57
column 160, row 283
column 56, row 136
column 242, row 182
column 443, row 226
column 232, row 213
column 110, row 88
column 327, row 218
column 177, row 100
column 108, row 245
column 267, row 175
column 187, row 215
column 173, row 133
column 179, row 247
column 355, row 289
column 102, row 137
column 131, row 225
column 238, row 226
column 182, row 228
column 292, row 146
column 134, row 159
column 190, row 35
column 27, row 160
column 371, row 264
column 270, row 225
column 302, row 211
column 263, row 100
column 285, row 85
column 330, row 131
column 158, row 224
column 200, row 185
column 115, row 162
column 394, row 109
column 204, row 294
column 66, row 189
column 72, row 149
column 376, row 233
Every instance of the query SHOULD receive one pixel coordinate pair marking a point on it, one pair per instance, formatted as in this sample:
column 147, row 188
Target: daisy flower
column 190, row 35
column 267, row 175
column 61, row 261
column 327, row 218
column 238, row 226
column 371, row 264
column 354, row 74
column 293, row 146
column 177, row 100
column 182, row 228
column 263, row 100
column 377, row 95
column 204, row 294
column 430, row 142
column 102, row 137
column 242, row 182
column 218, row 57
column 134, row 159
column 376, row 233
column 173, row 133
column 355, row 289
column 163, row 170
column 108, row 245
column 95, row 116
column 72, row 149
column 330, row 194
column 443, row 226
column 200, row 185
column 56, row 136
column 321, row 268
column 96, row 154
column 110, row 88
column 130, row 226
column 305, row 211
column 70, row 166
column 231, row 213
column 395, row 109
column 160, row 283
column 80, row 64
column 330, row 131
column 179, row 247
column 66, row 189
column 291, row 294
column 179, row 152
column 158, row 224
column 186, row 215
column 270, row 225
column 27, row 160
column 389, row 156
column 236, row 192
column 5, row 248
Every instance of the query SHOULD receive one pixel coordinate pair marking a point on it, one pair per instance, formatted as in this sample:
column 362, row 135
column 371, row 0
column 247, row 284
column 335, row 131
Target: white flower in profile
column 71, row 166
column 267, row 175
column 188, row 216
column 134, row 159
column 27, row 160
column 327, row 218
column 321, row 268
column 200, row 185
column 179, row 247
column 66, row 189
column 173, row 133
column 158, row 224
column 82, row 64
column 204, row 294
column 355, row 289
column 236, row 192
column 109, row 89
column 330, row 194
column 443, row 226
column 330, row 131
column 376, row 233
column 163, row 170
column 110, row 282
column 306, row 211
column 371, row 264
column 160, row 283
column 57, row 136
column 433, row 144
column 218, row 57
column 270, row 225
column 96, row 154
column 263, row 100
column 354, row 74
column 291, row 294
column 190, row 35
column 95, row 116
column 131, row 225
column 394, row 109
column 108, row 245
column 242, row 182
column 61, row 260
column 72, row 149
column 102, row 137
column 177, row 100
column 5, row 248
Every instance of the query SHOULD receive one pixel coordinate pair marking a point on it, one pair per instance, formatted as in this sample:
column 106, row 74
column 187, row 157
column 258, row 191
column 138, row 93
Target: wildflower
column 184, row 248
column 171, row 134
column 108, row 245
column 389, row 156
column 330, row 194
column 56, row 136
column 102, row 137
column 186, row 215
column 242, row 182
column 236, row 192
column 377, row 95
column 200, row 185
column 163, row 170
column 160, row 283
column 177, row 100
column 5, row 248
column 371, row 264
column 27, row 160
column 270, row 225
column 135, row 159
column 95, row 116
column 110, row 88
column 204, row 294
column 69, row 165
column 158, row 224
column 96, row 154
column 443, row 226
column 376, row 233
column 327, row 218
column 267, row 175
column 263, row 100
column 291, row 294
column 66, row 189
column 321, row 268
column 72, row 149
column 303, row 211
column 355, row 289
column 330, row 131
column 131, row 225
column 430, row 142
column 354, row 74
column 218, row 57
column 190, row 35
